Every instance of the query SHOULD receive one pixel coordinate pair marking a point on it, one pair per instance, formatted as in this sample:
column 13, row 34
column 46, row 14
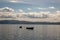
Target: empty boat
column 20, row 27
column 30, row 28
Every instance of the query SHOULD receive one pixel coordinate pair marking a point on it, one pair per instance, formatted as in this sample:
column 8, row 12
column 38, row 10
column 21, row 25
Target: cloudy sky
column 30, row 10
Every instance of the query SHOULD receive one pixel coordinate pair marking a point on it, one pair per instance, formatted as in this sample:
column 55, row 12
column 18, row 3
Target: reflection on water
column 40, row 32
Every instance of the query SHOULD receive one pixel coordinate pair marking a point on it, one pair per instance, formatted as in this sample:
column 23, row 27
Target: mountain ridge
column 25, row 22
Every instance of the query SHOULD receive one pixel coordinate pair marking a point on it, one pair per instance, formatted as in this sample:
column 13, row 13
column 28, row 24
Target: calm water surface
column 40, row 32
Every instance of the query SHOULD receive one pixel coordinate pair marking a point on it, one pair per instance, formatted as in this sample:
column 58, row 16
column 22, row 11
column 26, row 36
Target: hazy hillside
column 25, row 22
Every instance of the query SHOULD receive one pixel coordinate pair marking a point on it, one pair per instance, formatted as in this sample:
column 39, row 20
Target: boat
column 20, row 27
column 31, row 28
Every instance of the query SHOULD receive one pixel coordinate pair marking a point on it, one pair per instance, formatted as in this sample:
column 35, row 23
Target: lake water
column 40, row 32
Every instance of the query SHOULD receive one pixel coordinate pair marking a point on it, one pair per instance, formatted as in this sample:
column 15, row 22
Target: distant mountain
column 25, row 22
column 12, row 22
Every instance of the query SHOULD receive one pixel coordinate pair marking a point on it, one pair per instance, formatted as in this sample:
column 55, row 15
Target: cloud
column 15, row 1
column 19, row 1
column 7, row 15
column 40, row 14
column 3, row 16
column 9, row 12
column 20, row 10
column 32, row 16
column 41, row 8
column 29, row 8
column 58, row 11
column 7, row 9
column 51, row 7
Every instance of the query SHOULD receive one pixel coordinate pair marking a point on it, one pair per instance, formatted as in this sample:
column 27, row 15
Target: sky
column 30, row 10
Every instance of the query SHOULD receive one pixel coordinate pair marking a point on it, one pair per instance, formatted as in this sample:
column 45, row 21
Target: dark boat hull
column 20, row 27
column 31, row 28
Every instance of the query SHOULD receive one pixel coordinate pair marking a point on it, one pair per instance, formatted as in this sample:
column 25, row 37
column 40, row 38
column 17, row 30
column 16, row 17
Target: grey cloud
column 7, row 9
column 34, row 16
column 3, row 16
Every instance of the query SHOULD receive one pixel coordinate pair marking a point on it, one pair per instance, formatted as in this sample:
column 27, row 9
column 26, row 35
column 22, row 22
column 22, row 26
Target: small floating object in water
column 31, row 28
column 20, row 27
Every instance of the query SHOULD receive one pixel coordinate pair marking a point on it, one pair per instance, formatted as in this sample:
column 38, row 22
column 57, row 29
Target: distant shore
column 27, row 22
